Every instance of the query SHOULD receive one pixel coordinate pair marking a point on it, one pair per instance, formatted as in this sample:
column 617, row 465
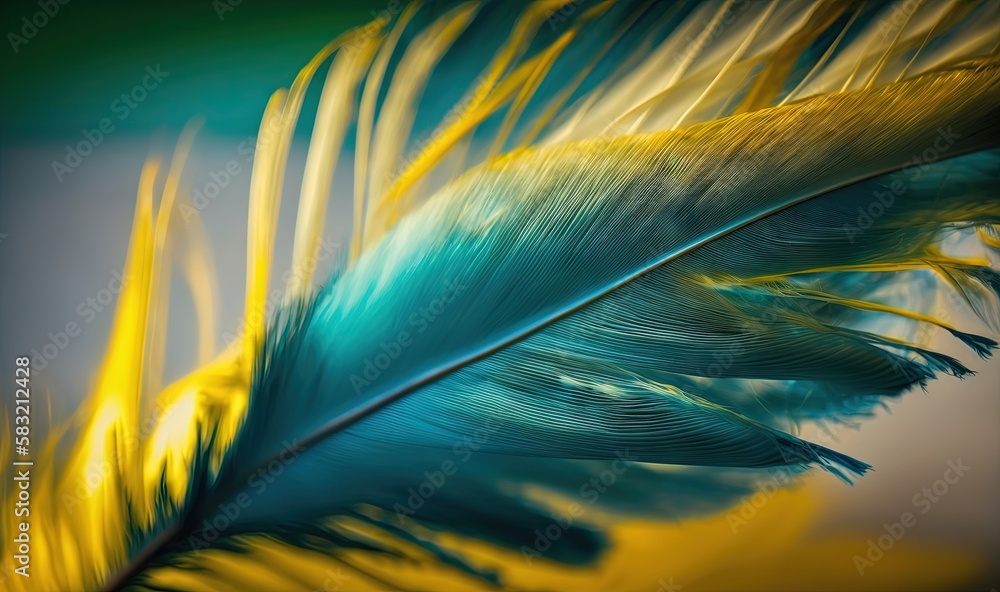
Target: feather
column 670, row 294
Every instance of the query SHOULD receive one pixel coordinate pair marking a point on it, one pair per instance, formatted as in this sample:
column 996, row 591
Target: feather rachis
column 597, row 354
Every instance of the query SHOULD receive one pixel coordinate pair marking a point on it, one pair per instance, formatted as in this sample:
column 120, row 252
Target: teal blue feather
column 568, row 302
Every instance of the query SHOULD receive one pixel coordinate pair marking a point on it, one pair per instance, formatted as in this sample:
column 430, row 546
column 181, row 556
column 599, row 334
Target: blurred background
column 74, row 133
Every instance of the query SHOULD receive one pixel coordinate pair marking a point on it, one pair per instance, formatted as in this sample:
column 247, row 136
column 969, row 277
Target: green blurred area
column 223, row 59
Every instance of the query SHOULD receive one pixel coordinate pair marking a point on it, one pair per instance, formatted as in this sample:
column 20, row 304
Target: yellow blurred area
column 777, row 546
